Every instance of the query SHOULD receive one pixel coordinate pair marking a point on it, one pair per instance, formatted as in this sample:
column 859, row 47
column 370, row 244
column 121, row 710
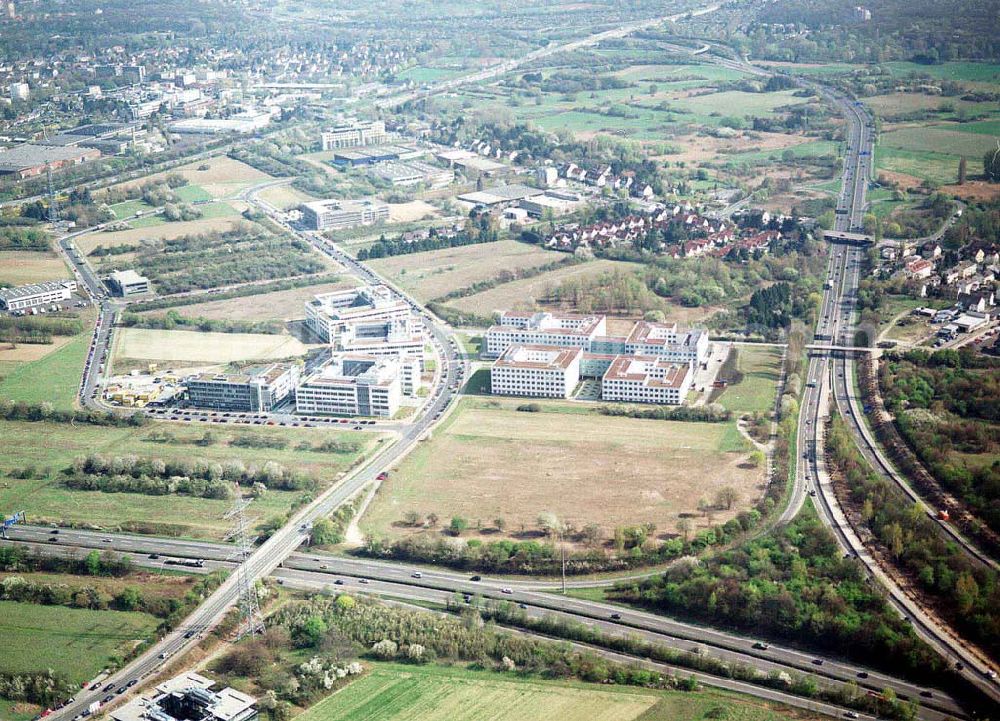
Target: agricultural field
column 437, row 272
column 163, row 231
column 396, row 692
column 206, row 348
column 489, row 460
column 46, row 499
column 284, row 197
column 526, row 293
column 760, row 369
column 52, row 378
column 20, row 267
column 222, row 177
column 73, row 642
column 279, row 305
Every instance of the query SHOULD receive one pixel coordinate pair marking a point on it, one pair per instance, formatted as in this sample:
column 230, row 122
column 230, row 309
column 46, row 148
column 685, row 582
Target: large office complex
column 355, row 133
column 254, row 390
column 646, row 379
column 536, row 371
column 329, row 315
column 555, row 329
column 189, row 697
column 25, row 297
column 352, row 385
column 126, row 283
column 341, row 214
column 380, row 337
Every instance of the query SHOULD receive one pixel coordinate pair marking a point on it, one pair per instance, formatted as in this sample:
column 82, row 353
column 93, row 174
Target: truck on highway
column 189, row 562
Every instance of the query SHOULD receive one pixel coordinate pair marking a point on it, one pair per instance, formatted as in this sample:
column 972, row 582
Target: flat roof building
column 329, row 314
column 254, row 390
column 352, row 385
column 29, row 296
column 646, row 379
column 664, row 341
column 355, row 133
column 536, row 371
column 555, row 329
column 402, row 174
column 189, row 697
column 27, row 161
column 380, row 337
column 126, row 283
column 341, row 214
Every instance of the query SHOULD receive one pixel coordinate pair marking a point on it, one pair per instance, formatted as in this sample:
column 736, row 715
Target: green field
column 950, row 139
column 813, row 149
column 761, row 368
column 14, row 711
column 961, row 71
column 46, row 499
column 937, row 167
column 73, row 642
column 54, row 379
column 422, row 74
column 395, row 692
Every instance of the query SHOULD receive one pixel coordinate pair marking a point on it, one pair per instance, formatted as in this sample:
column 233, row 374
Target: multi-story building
column 352, row 385
column 646, row 379
column 29, row 296
column 328, row 315
column 256, row 389
column 536, row 371
column 126, row 283
column 189, row 697
column 410, row 369
column 390, row 337
column 665, row 342
column 555, row 329
column 355, row 133
column 19, row 91
column 341, row 214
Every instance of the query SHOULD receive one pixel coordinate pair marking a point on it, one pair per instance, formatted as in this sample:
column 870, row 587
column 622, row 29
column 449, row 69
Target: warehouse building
column 342, row 214
column 28, row 161
column 413, row 173
column 24, row 297
column 126, row 283
column 352, row 385
column 646, row 379
column 536, row 371
column 328, row 314
column 189, row 697
column 254, row 390
column 371, row 155
column 555, row 329
column 355, row 133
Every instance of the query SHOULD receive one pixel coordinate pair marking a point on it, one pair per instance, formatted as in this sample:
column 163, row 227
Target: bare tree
column 684, row 527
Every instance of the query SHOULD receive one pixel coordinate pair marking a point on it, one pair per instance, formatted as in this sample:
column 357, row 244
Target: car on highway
column 616, row 617
column 476, row 578
column 417, row 574
column 506, row 590
column 761, row 646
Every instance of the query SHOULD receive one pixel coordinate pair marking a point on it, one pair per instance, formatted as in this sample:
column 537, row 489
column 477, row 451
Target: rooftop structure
column 352, row 385
column 328, row 314
column 369, row 155
column 29, row 296
column 255, row 389
column 501, row 195
column 471, row 163
column 413, row 173
column 341, row 214
column 189, row 697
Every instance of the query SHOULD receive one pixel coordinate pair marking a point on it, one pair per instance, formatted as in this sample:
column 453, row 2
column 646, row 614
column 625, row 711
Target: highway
column 440, row 586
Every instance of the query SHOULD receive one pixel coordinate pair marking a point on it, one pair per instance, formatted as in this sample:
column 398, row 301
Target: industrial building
column 355, row 133
column 189, row 697
column 371, row 155
column 553, row 329
column 536, row 371
column 24, row 297
column 109, row 138
column 242, row 123
column 352, row 385
column 341, row 214
column 646, row 379
column 413, row 173
column 126, row 283
column 328, row 314
column 472, row 164
column 500, row 196
column 256, row 389
column 28, row 160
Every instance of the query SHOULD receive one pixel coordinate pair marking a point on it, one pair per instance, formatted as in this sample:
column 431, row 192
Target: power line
column 251, row 619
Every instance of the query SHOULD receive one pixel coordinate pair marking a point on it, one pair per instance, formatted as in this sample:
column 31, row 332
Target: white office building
column 355, row 133
column 352, row 385
column 536, row 371
column 126, row 283
column 370, row 307
column 553, row 329
column 393, row 337
column 341, row 214
column 256, row 389
column 664, row 341
column 189, row 697
column 24, row 297
column 646, row 379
